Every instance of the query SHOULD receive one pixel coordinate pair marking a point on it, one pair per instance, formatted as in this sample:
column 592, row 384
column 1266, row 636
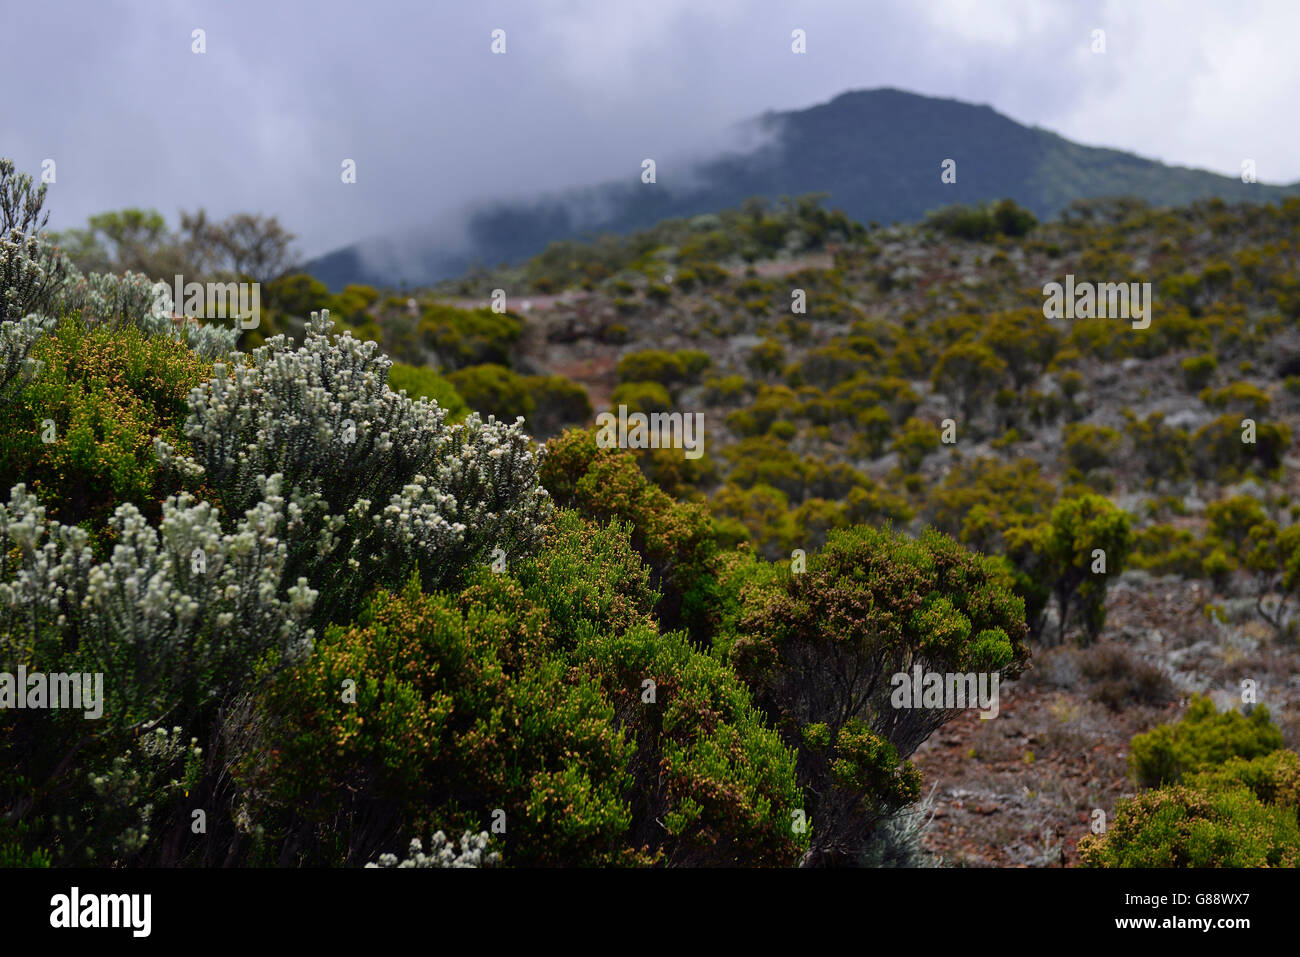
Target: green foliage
column 469, row 337
column 421, row 382
column 1198, row 370
column 674, row 538
column 643, row 397
column 970, row 372
column 557, row 402
column 1182, row 827
column 1202, row 739
column 101, row 399
column 818, row 647
column 1090, row 447
column 1073, row 556
column 983, row 222
column 526, row 692
column 494, row 390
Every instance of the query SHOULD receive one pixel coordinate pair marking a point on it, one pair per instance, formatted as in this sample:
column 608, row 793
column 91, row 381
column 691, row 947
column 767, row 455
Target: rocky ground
column 1020, row 790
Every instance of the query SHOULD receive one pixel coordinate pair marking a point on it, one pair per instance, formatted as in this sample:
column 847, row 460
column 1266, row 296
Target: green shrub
column 493, row 390
column 423, row 382
column 1182, row 827
column 673, row 538
column 526, row 693
column 641, row 397
column 819, row 647
column 1203, row 738
column 557, row 402
column 469, row 337
column 1198, row 370
column 101, row 398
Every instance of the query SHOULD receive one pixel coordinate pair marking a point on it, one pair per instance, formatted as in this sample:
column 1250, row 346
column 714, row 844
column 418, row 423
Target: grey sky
column 410, row 90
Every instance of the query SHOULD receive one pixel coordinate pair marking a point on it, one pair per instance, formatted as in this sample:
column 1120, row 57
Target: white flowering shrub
column 173, row 615
column 381, row 486
column 116, row 301
column 473, row 853
column 32, row 274
column 131, row 792
column 16, row 340
column 36, row 279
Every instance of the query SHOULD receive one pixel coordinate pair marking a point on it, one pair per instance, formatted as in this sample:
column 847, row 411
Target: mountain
column 877, row 153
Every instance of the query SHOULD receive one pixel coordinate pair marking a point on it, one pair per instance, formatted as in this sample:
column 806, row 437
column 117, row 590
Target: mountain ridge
column 878, row 153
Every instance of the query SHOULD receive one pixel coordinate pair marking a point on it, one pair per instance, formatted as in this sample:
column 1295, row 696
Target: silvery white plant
column 103, row 299
column 16, row 341
column 170, row 611
column 32, row 274
column 473, row 853
column 380, row 484
column 36, row 279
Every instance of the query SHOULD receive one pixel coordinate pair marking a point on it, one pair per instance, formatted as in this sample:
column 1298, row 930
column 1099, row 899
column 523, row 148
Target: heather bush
column 673, row 538
column 80, row 435
column 1182, row 827
column 494, row 390
column 526, row 692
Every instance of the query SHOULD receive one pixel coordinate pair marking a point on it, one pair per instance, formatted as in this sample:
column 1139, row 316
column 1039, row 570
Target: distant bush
column 557, row 402
column 421, row 382
column 494, row 390
column 1198, row 370
column 641, row 397
column 1203, row 738
column 983, row 222
column 463, row 337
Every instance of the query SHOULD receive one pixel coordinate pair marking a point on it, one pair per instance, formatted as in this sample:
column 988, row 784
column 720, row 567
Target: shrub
column 1203, row 738
column 525, row 693
column 101, row 398
column 1273, row 778
column 643, row 397
column 1181, row 827
column 381, row 486
column 1089, row 447
column 819, row 646
column 1119, row 679
column 1074, row 555
column 557, row 402
column 421, row 382
column 463, row 337
column 652, row 365
column 971, row 373
column 916, row 439
column 1198, row 370
column 673, row 538
column 494, row 390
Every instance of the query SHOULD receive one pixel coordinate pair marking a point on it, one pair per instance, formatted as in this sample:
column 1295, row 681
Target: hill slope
column 878, row 153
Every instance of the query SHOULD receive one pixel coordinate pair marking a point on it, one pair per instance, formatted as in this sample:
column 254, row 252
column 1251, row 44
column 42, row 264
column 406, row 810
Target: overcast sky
column 411, row 91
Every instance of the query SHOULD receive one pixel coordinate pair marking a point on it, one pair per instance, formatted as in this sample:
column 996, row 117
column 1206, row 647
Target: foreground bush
column 525, row 699
column 1183, row 827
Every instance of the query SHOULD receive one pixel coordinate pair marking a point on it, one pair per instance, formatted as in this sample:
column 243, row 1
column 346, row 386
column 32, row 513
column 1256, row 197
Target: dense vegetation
column 344, row 602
